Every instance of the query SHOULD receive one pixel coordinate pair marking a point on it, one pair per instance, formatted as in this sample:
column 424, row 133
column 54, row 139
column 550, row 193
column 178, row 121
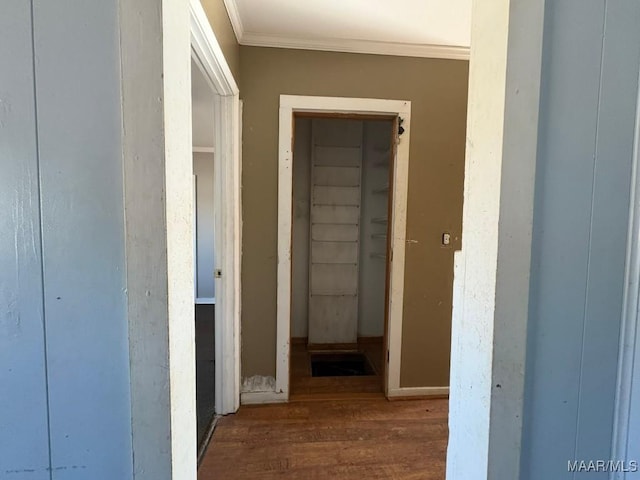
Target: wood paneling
column 80, row 115
column 334, row 233
column 334, row 279
column 332, row 317
column 364, row 439
column 336, row 145
column 336, row 194
column 337, row 156
column 335, row 215
column 23, row 401
column 345, row 176
column 334, row 252
column 583, row 181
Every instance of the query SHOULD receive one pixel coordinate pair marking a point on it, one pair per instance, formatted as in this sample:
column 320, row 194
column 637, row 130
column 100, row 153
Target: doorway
column 340, row 252
column 217, row 219
column 202, row 121
column 341, row 265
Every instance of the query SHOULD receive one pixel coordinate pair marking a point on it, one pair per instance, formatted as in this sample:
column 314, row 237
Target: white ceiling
column 430, row 28
column 202, row 99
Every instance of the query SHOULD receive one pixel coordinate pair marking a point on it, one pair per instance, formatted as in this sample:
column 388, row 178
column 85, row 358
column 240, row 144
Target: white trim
column 491, row 278
column 288, row 105
column 345, row 105
column 207, row 50
column 235, row 18
column 209, row 57
column 203, row 150
column 195, row 235
column 629, row 345
column 206, row 301
column 417, row 392
column 450, row 52
column 283, row 294
column 155, row 128
column 260, row 398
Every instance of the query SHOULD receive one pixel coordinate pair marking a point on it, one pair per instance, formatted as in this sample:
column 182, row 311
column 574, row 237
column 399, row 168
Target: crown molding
column 340, row 45
column 234, row 17
column 355, row 46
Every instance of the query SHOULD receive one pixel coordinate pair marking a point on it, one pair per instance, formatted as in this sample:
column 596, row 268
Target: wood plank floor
column 305, row 387
column 342, row 440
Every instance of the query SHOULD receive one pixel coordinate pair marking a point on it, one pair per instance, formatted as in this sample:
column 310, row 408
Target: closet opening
column 342, row 199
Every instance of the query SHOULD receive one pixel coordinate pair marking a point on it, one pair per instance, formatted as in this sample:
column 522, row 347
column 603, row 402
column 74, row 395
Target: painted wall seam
column 591, row 227
column 44, row 313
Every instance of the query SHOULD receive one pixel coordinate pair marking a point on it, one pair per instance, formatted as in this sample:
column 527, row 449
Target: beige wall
column 438, row 92
column 221, row 25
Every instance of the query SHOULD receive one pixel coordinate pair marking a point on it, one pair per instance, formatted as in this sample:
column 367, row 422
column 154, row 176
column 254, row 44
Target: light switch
column 446, row 238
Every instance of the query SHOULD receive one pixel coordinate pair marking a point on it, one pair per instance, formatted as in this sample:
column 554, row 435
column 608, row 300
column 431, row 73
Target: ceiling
column 424, row 28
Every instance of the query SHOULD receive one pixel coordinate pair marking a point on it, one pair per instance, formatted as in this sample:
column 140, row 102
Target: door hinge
column 387, row 356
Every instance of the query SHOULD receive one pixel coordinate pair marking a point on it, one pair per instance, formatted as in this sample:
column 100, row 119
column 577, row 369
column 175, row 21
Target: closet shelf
column 379, row 220
column 379, row 236
column 380, row 256
column 382, row 189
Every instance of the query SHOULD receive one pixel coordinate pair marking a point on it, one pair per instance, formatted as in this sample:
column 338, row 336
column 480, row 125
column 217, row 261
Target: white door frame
column 290, row 104
column 627, row 412
column 491, row 272
column 208, row 55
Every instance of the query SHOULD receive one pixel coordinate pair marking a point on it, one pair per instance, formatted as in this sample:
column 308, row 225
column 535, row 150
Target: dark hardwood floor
column 338, row 439
column 205, row 367
column 304, row 387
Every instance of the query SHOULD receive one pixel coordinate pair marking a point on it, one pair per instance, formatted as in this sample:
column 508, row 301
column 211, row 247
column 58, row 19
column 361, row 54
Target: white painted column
column 156, row 104
column 176, row 52
column 491, row 286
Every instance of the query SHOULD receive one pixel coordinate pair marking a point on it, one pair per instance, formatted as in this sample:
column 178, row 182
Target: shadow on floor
column 205, row 367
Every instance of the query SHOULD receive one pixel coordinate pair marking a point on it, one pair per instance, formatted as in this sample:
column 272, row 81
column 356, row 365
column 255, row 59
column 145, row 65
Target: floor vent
column 340, row 365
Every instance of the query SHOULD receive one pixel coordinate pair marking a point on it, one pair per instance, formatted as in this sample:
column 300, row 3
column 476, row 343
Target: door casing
column 335, row 107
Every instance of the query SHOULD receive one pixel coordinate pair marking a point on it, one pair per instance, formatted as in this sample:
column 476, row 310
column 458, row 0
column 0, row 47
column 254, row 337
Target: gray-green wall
column 437, row 90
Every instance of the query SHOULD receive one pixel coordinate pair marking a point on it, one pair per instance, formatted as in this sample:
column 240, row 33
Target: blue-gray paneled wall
column 24, row 439
column 589, row 89
column 64, row 358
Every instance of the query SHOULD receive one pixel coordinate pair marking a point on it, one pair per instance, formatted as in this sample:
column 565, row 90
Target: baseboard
column 202, row 448
column 305, row 340
column 415, row 392
column 205, row 301
column 260, row 398
column 376, row 340
column 332, row 347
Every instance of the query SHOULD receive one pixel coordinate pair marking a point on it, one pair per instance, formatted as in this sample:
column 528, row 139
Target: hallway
column 346, row 439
